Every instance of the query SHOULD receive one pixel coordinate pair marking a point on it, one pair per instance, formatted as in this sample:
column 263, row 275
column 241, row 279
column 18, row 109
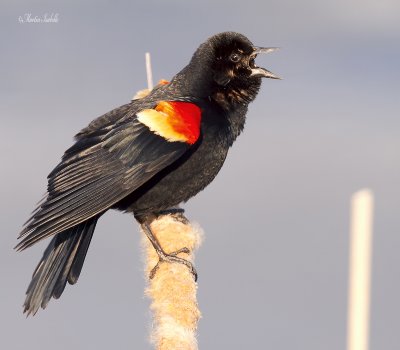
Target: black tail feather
column 62, row 261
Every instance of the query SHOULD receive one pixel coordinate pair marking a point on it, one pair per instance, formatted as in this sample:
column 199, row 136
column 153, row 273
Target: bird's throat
column 230, row 98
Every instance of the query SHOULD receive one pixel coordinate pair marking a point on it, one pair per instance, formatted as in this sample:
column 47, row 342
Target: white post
column 149, row 72
column 360, row 270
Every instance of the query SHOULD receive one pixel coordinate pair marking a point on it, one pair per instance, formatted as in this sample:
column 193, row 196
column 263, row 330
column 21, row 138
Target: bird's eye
column 235, row 57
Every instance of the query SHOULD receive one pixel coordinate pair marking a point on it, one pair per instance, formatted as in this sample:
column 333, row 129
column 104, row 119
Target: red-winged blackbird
column 144, row 157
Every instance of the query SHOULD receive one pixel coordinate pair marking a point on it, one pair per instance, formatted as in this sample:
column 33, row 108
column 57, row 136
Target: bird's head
column 224, row 67
column 234, row 59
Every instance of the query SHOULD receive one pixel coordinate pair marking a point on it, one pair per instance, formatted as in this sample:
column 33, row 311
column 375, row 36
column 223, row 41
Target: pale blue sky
column 273, row 266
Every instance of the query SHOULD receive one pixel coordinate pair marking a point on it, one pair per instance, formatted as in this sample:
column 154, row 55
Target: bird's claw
column 173, row 258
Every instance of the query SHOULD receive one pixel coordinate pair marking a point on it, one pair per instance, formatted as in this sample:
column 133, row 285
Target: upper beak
column 259, row 71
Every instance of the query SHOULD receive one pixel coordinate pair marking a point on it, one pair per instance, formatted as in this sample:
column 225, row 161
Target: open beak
column 259, row 71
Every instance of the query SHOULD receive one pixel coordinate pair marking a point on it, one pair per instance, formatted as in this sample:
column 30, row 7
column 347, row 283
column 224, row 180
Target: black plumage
column 119, row 162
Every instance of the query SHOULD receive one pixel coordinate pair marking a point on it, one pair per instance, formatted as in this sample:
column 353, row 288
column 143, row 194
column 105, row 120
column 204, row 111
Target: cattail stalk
column 173, row 290
column 360, row 270
column 149, row 71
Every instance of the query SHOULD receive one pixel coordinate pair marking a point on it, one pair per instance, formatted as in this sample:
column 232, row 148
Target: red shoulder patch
column 175, row 121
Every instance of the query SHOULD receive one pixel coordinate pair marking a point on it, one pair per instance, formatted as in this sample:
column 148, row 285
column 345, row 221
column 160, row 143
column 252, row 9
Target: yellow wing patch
column 156, row 122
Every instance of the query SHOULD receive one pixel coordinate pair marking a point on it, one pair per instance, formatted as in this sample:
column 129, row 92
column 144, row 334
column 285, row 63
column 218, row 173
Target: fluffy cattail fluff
column 172, row 290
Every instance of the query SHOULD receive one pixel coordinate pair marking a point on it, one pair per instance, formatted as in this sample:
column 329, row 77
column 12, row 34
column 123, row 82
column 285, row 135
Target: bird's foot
column 163, row 256
column 173, row 258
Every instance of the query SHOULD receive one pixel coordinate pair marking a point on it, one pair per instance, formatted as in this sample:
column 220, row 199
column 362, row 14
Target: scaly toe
column 172, row 258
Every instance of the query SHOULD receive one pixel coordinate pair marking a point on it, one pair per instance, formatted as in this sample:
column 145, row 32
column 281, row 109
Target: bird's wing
column 107, row 164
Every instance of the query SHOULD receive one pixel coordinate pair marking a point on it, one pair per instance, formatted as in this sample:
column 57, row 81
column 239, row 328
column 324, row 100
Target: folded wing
column 108, row 162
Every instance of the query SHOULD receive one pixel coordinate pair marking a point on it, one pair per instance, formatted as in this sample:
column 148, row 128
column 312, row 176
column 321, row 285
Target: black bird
column 144, row 157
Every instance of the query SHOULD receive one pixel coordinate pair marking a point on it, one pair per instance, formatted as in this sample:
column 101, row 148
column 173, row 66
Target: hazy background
column 273, row 266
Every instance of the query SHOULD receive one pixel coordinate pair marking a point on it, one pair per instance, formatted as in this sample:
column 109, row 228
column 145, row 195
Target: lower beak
column 262, row 72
